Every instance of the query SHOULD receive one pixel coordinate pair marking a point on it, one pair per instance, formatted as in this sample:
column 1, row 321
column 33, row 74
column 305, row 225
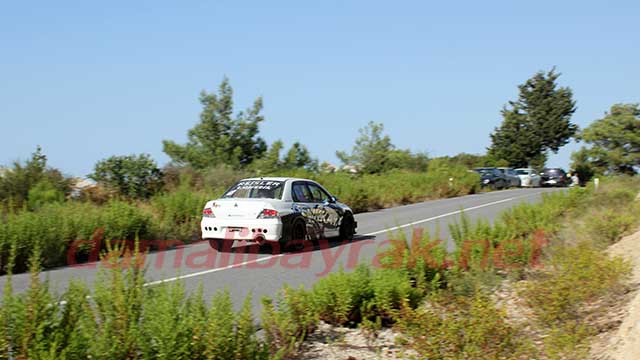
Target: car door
column 501, row 180
column 328, row 212
column 535, row 178
column 513, row 177
column 307, row 206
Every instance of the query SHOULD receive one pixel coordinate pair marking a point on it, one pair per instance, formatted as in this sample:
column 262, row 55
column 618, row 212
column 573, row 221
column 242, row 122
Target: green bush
column 177, row 214
column 461, row 327
column 125, row 320
column 19, row 180
column 424, row 259
column 123, row 221
column 606, row 226
column 338, row 296
column 132, row 176
column 54, row 229
column 347, row 299
column 288, row 320
column 575, row 276
column 44, row 193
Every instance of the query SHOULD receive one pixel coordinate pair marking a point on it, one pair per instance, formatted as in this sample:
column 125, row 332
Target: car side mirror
column 333, row 199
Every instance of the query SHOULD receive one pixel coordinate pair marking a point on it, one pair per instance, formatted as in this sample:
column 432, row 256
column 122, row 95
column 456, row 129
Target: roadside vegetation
column 442, row 305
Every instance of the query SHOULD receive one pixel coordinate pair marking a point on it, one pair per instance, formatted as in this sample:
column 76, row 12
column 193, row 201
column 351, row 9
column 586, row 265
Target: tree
column 219, row 137
column 614, row 140
column 134, row 176
column 582, row 165
column 404, row 159
column 19, row 180
column 270, row 162
column 536, row 123
column 374, row 153
column 298, row 157
column 371, row 151
column 44, row 192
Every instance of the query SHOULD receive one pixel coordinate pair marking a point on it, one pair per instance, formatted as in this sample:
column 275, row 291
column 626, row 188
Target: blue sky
column 86, row 80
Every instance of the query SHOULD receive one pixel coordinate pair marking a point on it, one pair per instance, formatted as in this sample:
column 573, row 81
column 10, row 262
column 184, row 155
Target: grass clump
column 574, row 277
column 287, row 321
column 461, row 327
column 348, row 299
column 177, row 214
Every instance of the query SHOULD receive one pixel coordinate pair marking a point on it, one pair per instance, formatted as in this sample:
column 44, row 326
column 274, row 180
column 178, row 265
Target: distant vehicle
column 510, row 174
column 554, row 177
column 528, row 177
column 492, row 178
column 275, row 209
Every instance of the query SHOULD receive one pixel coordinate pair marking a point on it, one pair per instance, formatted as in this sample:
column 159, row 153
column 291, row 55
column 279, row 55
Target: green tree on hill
column 371, row 150
column 374, row 153
column 299, row 157
column 19, row 182
column 220, row 137
column 614, row 140
column 536, row 123
column 134, row 176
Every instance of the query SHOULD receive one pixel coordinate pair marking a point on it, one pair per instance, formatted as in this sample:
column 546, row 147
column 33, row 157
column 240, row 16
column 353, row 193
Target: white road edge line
column 232, row 266
column 180, row 277
column 447, row 214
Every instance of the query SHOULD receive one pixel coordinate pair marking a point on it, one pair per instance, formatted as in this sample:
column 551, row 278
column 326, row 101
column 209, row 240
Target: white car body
column 528, row 177
column 271, row 209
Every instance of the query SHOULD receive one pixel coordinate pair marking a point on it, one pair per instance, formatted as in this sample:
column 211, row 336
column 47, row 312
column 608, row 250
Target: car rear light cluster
column 208, row 213
column 268, row 214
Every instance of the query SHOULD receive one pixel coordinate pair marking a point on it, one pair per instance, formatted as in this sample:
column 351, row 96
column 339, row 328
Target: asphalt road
column 263, row 274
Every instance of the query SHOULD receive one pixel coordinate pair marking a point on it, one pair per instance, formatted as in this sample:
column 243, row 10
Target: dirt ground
column 623, row 343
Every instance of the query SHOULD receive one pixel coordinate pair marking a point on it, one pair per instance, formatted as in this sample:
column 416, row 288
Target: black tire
column 299, row 231
column 347, row 228
column 216, row 244
column 296, row 237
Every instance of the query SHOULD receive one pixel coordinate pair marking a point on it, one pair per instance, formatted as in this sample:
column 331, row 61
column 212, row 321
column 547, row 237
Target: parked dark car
column 512, row 178
column 554, row 177
column 492, row 178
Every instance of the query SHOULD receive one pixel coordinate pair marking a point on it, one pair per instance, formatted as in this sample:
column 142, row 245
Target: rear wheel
column 297, row 236
column 347, row 228
column 216, row 244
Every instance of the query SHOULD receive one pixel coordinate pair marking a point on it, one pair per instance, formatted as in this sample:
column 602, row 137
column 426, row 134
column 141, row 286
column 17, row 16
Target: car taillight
column 268, row 214
column 207, row 212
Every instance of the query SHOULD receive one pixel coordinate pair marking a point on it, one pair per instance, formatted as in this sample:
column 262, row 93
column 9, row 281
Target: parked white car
column 275, row 209
column 528, row 177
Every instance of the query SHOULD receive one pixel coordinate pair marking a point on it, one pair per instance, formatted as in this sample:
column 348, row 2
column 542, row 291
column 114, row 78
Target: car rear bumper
column 241, row 229
column 553, row 182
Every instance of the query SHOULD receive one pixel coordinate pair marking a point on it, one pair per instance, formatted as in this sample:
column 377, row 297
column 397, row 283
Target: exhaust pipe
column 260, row 239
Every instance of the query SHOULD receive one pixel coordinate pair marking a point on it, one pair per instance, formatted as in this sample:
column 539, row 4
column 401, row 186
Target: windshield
column 522, row 172
column 256, row 189
column 484, row 171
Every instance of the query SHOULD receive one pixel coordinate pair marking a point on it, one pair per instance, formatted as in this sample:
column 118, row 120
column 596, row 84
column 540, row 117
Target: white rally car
column 275, row 210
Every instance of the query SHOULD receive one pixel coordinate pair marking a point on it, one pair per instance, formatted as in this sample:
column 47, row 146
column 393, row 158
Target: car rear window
column 553, row 171
column 256, row 189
